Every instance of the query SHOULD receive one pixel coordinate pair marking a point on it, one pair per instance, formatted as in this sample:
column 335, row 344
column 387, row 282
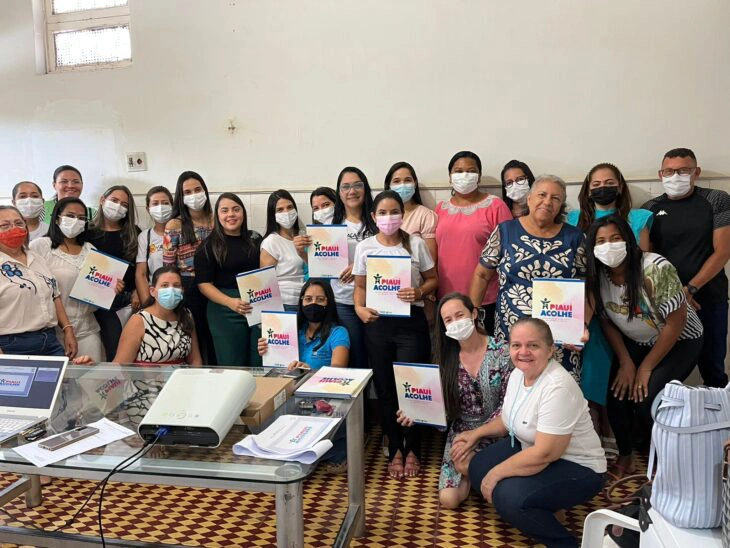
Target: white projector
column 198, row 406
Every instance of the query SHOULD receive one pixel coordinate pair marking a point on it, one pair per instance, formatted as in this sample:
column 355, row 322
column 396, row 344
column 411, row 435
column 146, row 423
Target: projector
column 198, row 406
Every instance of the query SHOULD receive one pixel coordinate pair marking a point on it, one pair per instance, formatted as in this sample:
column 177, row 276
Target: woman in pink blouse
column 465, row 222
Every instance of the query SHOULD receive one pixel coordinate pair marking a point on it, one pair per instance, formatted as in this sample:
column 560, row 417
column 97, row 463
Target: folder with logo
column 420, row 396
column 98, row 278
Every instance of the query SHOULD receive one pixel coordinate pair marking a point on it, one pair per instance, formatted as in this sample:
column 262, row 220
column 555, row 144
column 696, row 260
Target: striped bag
column 690, row 426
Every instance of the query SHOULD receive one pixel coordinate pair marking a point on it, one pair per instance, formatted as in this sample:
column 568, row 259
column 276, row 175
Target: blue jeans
column 33, row 343
column 528, row 503
column 356, row 330
column 712, row 358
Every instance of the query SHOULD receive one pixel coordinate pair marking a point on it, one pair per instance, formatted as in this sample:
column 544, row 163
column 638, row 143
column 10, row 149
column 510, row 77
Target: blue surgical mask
column 169, row 297
column 405, row 190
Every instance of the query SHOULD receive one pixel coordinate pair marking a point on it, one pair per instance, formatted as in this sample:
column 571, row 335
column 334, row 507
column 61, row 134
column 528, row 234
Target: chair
column 594, row 527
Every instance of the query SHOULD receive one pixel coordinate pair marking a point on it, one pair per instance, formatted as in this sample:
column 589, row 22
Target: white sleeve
column 142, row 246
column 423, row 254
column 359, row 263
column 39, row 246
column 558, row 411
column 269, row 246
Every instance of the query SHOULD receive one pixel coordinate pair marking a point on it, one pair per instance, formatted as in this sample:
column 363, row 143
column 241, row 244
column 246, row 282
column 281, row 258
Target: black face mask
column 314, row 312
column 604, row 195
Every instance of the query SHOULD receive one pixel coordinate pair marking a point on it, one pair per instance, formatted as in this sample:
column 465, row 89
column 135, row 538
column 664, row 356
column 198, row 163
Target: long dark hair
column 216, row 243
column 54, row 231
column 271, row 225
column 400, row 165
column 515, row 164
column 448, row 355
column 588, row 208
column 330, row 320
column 634, row 275
column 181, row 211
column 368, row 225
column 182, row 314
column 128, row 223
column 393, row 195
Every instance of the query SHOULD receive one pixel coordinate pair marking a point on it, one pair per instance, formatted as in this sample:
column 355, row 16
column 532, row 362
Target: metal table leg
column 33, row 496
column 355, row 464
column 289, row 515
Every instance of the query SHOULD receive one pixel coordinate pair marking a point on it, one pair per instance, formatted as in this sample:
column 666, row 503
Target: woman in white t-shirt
column 395, row 339
column 283, row 247
column 149, row 242
column 551, row 458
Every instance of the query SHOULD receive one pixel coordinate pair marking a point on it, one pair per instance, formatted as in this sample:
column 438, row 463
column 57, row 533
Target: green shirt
column 48, row 211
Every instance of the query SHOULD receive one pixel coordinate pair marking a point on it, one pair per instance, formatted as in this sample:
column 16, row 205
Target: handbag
column 725, row 497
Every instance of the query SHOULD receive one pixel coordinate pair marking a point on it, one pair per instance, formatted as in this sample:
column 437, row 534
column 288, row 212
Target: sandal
column 395, row 466
column 413, row 466
column 335, row 468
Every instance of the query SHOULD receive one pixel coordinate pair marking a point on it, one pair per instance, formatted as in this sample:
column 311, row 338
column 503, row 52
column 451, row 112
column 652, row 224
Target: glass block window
column 70, row 6
column 92, row 46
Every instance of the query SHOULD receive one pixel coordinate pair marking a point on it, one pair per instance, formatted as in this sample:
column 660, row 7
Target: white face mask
column 113, row 211
column 161, row 213
column 30, row 208
column 460, row 330
column 287, row 218
column 517, row 191
column 324, row 215
column 677, row 185
column 71, row 227
column 611, row 254
column 196, row 201
column 465, row 183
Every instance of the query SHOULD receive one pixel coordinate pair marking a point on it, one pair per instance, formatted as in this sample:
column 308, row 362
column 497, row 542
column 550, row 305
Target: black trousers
column 626, row 416
column 111, row 325
column 397, row 340
column 196, row 302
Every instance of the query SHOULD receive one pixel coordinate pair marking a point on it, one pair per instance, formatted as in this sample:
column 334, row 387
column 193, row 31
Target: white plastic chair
column 594, row 527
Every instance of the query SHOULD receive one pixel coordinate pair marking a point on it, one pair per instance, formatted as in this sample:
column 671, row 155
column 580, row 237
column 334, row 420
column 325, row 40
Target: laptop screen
column 29, row 382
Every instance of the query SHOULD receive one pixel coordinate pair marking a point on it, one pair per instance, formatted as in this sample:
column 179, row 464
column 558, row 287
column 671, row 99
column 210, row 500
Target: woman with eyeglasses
column 517, row 179
column 30, row 301
column 28, row 198
column 352, row 208
column 283, row 246
column 65, row 250
column 229, row 250
column 465, row 222
column 68, row 183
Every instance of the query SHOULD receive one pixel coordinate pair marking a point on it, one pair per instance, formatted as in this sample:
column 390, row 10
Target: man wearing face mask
column 692, row 230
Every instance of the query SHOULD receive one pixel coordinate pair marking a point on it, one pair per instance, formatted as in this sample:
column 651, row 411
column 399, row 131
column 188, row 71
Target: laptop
column 29, row 386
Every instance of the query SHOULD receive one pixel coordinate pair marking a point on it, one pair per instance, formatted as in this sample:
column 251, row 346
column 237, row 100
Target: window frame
column 90, row 19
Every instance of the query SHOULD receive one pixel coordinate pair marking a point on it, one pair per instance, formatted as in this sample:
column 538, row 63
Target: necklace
column 513, row 411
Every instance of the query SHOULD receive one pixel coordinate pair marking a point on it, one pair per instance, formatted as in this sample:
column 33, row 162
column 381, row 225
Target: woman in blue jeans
column 30, row 302
column 551, row 458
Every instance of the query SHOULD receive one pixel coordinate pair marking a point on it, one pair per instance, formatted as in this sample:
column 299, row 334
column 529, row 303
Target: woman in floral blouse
column 474, row 372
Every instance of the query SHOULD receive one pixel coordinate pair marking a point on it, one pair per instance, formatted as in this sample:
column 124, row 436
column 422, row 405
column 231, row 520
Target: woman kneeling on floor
column 474, row 373
column 552, row 458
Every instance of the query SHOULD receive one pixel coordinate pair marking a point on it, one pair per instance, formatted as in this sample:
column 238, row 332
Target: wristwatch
column 692, row 290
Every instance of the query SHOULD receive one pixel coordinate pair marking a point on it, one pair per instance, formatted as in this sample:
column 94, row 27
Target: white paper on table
column 247, row 447
column 108, row 432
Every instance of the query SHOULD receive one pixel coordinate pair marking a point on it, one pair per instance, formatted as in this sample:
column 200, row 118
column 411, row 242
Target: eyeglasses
column 318, row 299
column 510, row 182
column 74, row 216
column 682, row 171
column 347, row 187
column 7, row 226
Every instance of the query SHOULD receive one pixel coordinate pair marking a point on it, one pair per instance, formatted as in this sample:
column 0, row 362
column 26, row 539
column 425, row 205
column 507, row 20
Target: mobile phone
column 67, row 438
column 296, row 373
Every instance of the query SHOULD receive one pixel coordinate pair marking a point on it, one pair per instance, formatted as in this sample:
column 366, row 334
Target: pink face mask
column 389, row 224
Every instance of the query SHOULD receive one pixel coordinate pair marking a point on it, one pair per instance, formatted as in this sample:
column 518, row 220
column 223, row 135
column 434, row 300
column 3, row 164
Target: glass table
column 123, row 394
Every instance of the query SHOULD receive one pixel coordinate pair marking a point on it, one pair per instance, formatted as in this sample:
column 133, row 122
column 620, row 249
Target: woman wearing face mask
column 163, row 332
column 68, row 183
column 30, row 302
column 283, row 246
column 149, row 242
column 392, row 339
column 322, row 201
column 65, row 250
column 465, row 222
column 352, row 208
column 114, row 231
column 191, row 223
column 229, row 250
column 655, row 336
column 28, row 198
column 474, row 372
column 517, row 179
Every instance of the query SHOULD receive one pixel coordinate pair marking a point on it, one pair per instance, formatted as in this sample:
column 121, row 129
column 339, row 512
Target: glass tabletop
column 123, row 394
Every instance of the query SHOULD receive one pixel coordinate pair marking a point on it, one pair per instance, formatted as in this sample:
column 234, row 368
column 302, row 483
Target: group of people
column 656, row 305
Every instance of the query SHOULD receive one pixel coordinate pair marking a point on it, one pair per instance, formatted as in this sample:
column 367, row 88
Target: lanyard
column 513, row 411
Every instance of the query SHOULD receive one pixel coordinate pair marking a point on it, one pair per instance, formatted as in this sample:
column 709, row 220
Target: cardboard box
column 271, row 393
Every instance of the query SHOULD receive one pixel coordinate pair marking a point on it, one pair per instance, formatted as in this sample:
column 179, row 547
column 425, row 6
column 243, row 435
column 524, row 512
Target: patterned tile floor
column 399, row 513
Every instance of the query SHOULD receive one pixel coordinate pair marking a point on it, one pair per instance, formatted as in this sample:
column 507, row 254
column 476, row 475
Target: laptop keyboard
column 8, row 424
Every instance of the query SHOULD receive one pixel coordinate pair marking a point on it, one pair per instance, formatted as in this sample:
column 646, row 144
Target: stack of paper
column 290, row 438
column 335, row 382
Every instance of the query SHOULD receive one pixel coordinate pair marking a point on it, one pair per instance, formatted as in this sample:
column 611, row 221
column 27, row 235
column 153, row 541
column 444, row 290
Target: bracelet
column 65, row 327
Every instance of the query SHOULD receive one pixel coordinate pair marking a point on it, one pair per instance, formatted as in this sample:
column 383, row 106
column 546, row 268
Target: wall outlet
column 136, row 161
